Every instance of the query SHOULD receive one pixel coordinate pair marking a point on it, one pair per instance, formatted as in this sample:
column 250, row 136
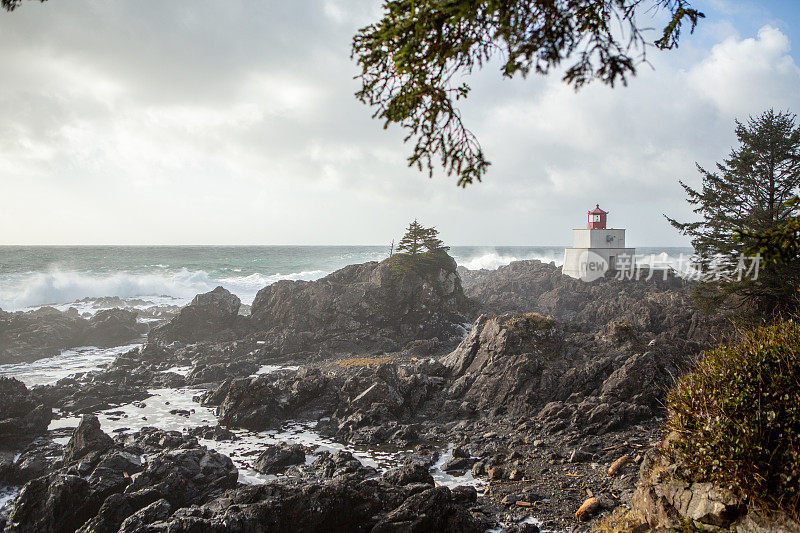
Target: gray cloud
column 208, row 122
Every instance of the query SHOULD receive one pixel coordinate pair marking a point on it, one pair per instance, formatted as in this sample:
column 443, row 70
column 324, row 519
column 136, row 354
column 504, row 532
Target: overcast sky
column 199, row 122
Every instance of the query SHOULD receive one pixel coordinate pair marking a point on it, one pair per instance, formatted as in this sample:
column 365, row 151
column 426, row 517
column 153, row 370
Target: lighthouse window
column 595, row 218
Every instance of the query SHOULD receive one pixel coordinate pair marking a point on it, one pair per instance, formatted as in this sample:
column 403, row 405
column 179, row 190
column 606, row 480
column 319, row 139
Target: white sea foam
column 67, row 363
column 492, row 260
column 32, row 289
column 177, row 409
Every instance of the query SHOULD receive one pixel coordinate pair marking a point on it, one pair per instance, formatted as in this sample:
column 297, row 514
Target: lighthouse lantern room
column 597, row 218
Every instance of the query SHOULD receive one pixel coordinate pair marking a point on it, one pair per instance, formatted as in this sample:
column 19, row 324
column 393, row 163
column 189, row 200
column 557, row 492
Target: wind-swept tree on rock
column 420, row 249
column 413, row 242
column 747, row 197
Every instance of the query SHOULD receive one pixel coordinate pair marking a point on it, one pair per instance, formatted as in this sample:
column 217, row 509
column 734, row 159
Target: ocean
column 144, row 276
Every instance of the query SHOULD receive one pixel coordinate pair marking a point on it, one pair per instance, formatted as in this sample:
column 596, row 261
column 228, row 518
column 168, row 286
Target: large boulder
column 266, row 401
column 430, row 510
column 410, row 472
column 210, row 316
column 279, row 457
column 366, row 307
column 112, row 327
column 56, row 502
column 185, row 476
column 22, row 414
column 87, row 437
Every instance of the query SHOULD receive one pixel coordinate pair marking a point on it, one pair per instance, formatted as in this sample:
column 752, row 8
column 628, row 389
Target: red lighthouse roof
column 597, row 218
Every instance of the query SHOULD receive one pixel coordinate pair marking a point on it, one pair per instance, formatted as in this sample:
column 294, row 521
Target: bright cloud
column 182, row 123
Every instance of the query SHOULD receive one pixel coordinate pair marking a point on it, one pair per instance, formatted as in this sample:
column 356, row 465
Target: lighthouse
column 596, row 248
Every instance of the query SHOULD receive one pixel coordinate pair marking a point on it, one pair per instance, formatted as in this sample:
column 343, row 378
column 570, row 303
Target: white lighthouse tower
column 596, row 249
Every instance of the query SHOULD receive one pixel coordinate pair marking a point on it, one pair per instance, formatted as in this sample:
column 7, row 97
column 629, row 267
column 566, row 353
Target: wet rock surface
column 279, row 457
column 155, row 480
column 22, row 413
column 213, row 315
column 27, row 336
column 98, row 482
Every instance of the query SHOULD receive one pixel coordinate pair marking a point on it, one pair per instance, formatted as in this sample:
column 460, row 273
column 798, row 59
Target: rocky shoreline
column 543, row 391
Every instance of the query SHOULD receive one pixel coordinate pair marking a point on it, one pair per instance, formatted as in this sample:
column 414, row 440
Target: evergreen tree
column 780, row 245
column 413, row 242
column 420, row 251
column 433, row 242
column 748, row 195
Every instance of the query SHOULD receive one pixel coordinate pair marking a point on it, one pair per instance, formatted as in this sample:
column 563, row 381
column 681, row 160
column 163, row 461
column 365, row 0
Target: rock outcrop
column 267, row 401
column 27, row 336
column 99, row 483
column 663, row 501
column 210, row 316
column 524, row 364
column 371, row 307
column 279, row 457
column 661, row 307
column 22, row 413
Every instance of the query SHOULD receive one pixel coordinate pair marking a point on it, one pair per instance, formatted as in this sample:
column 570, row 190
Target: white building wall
column 598, row 238
column 614, row 258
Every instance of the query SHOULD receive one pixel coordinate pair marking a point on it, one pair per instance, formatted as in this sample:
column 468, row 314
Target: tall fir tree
column 413, row 242
column 748, row 195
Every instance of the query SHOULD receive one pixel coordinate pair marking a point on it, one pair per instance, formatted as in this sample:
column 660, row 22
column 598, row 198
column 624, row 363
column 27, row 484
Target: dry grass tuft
column 355, row 362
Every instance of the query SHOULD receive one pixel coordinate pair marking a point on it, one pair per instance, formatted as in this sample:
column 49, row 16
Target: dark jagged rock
column 363, row 308
column 112, row 327
column 210, row 316
column 216, row 372
column 279, row 457
column 88, row 437
column 430, row 510
column 526, row 363
column 37, row 459
column 27, row 336
column 213, row 433
column 340, row 464
column 662, row 307
column 408, row 473
column 57, row 502
column 150, row 440
column 96, row 391
column 187, row 475
column 22, row 414
column 266, row 401
column 346, row 500
column 100, row 482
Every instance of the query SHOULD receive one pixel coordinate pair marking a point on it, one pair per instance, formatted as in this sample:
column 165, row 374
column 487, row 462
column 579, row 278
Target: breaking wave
column 23, row 290
column 494, row 260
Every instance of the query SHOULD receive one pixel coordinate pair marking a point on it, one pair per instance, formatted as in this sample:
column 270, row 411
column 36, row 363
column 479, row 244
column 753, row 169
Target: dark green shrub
column 736, row 417
column 424, row 263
